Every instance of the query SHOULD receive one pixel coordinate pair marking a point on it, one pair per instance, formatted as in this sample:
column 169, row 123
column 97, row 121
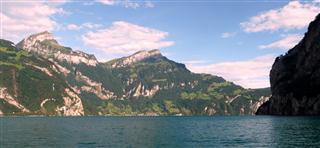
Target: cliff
column 295, row 78
column 45, row 45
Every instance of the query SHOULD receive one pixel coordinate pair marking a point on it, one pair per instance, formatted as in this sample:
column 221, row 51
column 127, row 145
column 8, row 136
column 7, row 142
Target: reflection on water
column 248, row 131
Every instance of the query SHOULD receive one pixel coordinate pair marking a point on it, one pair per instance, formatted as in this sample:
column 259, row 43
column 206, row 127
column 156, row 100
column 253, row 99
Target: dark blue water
column 250, row 131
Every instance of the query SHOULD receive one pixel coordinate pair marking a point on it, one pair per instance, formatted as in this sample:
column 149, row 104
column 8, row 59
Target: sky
column 235, row 39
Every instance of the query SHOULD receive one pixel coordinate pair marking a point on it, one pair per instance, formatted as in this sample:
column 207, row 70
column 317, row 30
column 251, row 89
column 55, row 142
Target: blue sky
column 237, row 40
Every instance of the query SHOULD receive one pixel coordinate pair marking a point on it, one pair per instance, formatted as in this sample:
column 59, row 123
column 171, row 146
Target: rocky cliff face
column 45, row 45
column 295, row 78
column 39, row 76
column 32, row 85
column 136, row 57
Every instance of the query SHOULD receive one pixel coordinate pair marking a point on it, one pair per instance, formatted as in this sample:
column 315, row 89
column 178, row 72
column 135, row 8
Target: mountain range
column 38, row 76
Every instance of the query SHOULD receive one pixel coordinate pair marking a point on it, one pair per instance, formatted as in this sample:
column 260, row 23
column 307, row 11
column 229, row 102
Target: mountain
column 136, row 57
column 38, row 76
column 295, row 78
column 166, row 82
column 46, row 46
column 32, row 85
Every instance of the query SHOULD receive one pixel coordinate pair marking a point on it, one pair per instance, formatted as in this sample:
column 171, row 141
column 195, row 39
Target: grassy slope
column 211, row 91
column 207, row 90
column 33, row 86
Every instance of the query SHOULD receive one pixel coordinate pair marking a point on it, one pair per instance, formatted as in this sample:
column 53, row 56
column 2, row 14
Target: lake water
column 228, row 131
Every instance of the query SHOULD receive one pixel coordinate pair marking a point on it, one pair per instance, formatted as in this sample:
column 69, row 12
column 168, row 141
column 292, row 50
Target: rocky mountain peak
column 144, row 54
column 154, row 85
column 39, row 37
column 295, row 78
column 45, row 45
column 137, row 57
column 45, row 35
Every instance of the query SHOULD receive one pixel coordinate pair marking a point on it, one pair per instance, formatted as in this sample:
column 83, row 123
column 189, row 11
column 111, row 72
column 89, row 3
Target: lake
column 221, row 131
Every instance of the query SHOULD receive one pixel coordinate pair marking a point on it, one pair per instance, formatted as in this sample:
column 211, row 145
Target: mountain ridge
column 46, row 45
column 136, row 57
column 145, row 83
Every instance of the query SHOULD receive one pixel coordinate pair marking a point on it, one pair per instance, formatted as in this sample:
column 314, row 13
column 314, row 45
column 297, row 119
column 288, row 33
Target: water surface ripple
column 222, row 131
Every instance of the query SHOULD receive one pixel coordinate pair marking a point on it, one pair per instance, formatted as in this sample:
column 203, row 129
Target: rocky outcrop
column 142, row 91
column 72, row 105
column 230, row 100
column 11, row 100
column 45, row 101
column 28, row 43
column 45, row 45
column 45, row 70
column 138, row 56
column 295, row 78
column 94, row 87
column 210, row 110
column 255, row 106
column 58, row 68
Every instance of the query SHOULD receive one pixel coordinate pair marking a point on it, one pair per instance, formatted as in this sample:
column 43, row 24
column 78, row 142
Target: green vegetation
column 189, row 93
column 28, row 85
column 54, row 45
column 170, row 107
column 18, row 66
column 175, row 90
column 110, row 109
column 10, row 56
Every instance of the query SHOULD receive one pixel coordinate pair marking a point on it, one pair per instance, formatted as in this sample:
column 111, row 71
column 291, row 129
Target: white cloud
column 87, row 25
column 88, row 3
column 130, row 4
column 167, row 53
column 73, row 27
column 294, row 15
column 107, row 2
column 253, row 73
column 286, row 43
column 127, row 3
column 125, row 38
column 24, row 18
column 228, row 34
column 149, row 4
column 91, row 25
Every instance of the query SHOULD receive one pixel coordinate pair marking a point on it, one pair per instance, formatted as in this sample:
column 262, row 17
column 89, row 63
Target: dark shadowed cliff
column 295, row 78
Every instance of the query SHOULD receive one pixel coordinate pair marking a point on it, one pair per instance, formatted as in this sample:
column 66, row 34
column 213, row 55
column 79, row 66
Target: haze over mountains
column 38, row 76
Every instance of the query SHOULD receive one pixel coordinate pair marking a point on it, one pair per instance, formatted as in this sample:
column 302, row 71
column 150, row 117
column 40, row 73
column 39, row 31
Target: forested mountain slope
column 38, row 76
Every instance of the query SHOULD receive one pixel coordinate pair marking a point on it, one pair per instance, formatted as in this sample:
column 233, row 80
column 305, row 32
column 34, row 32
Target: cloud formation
column 87, row 25
column 228, row 34
column 73, row 27
column 125, row 38
column 149, row 4
column 127, row 3
column 107, row 2
column 285, row 43
column 294, row 15
column 253, row 73
column 25, row 18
